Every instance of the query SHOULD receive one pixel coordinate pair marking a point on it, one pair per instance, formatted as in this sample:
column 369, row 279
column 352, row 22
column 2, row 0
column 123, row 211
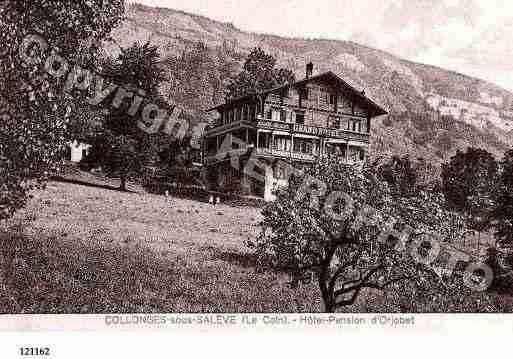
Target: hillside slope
column 433, row 111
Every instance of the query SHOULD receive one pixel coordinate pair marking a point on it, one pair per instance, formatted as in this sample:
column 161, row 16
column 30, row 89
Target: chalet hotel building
column 295, row 123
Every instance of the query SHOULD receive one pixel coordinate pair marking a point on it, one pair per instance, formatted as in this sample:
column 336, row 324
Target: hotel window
column 282, row 143
column 276, row 114
column 333, row 99
column 251, row 112
column 355, row 125
column 344, row 105
column 365, row 126
column 316, row 148
column 283, row 116
column 300, row 118
column 324, row 96
column 303, row 146
column 269, row 114
column 245, row 113
column 308, row 147
column 297, row 145
column 327, row 97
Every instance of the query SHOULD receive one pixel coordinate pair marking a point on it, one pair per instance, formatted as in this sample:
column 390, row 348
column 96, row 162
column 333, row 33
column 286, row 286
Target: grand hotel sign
column 314, row 131
column 318, row 131
column 331, row 133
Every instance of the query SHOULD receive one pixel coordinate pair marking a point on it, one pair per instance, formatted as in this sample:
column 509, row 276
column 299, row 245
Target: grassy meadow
column 80, row 249
column 84, row 249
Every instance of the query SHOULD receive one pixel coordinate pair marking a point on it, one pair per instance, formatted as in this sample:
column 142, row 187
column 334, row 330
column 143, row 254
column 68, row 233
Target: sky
column 474, row 37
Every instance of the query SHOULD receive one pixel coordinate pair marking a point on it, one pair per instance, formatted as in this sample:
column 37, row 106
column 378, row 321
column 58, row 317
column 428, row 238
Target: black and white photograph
column 275, row 158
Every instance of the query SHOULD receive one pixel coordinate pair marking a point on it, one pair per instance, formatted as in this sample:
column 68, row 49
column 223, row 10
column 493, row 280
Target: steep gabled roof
column 374, row 108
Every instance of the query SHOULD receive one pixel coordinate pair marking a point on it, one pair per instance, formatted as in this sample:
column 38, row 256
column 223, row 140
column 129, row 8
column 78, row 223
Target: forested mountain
column 433, row 112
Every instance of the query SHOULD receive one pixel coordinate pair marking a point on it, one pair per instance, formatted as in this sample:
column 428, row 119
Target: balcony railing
column 314, row 131
column 286, row 154
column 228, row 126
column 235, row 153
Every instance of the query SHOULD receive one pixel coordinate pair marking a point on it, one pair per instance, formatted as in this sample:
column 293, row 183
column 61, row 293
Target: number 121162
column 34, row 351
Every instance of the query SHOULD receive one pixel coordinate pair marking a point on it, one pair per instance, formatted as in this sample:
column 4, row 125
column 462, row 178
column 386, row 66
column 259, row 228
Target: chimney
column 309, row 70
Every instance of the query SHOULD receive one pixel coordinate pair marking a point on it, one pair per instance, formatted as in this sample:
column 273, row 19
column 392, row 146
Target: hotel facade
column 295, row 123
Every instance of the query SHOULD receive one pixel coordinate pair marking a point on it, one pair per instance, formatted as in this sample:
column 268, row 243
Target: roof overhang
column 374, row 108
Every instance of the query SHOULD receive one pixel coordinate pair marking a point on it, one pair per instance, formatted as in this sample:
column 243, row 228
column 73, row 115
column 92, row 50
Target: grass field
column 80, row 249
column 83, row 249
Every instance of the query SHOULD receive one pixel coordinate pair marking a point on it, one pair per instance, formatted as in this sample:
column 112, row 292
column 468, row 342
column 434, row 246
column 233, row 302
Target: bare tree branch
column 360, row 284
column 350, row 301
column 338, row 273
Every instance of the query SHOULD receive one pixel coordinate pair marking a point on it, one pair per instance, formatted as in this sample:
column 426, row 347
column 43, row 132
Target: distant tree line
column 473, row 183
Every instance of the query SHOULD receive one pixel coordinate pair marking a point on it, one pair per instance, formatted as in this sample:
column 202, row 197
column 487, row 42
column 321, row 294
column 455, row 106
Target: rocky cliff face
column 433, row 112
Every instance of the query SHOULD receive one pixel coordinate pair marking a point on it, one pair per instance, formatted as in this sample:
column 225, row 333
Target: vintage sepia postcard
column 172, row 166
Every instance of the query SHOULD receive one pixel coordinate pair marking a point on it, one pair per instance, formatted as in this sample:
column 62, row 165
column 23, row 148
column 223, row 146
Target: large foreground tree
column 35, row 112
column 346, row 228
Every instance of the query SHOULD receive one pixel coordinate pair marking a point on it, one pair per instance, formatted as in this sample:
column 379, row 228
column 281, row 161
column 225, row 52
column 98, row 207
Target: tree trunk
column 326, row 295
column 326, row 298
column 122, row 186
column 328, row 307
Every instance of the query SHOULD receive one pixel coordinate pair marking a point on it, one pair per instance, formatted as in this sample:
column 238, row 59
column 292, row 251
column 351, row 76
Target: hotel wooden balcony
column 293, row 128
column 259, row 138
column 298, row 156
column 260, row 152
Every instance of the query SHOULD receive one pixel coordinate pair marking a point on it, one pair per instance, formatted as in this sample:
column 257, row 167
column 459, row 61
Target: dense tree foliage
column 198, row 75
column 503, row 212
column 401, row 176
column 35, row 112
column 258, row 73
column 469, row 183
column 122, row 147
column 315, row 228
column 175, row 154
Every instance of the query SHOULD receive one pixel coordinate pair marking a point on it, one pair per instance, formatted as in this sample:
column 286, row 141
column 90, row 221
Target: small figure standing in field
column 218, row 200
column 211, row 199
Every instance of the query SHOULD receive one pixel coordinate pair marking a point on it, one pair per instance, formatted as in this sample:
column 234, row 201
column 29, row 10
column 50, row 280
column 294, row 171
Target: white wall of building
column 78, row 150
